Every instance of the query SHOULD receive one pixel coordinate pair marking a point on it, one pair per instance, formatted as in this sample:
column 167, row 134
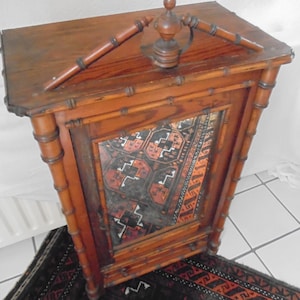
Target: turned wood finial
column 166, row 49
column 168, row 24
column 169, row 4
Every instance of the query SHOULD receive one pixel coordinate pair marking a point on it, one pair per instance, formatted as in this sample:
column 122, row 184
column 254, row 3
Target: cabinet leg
column 47, row 135
column 213, row 248
column 94, row 294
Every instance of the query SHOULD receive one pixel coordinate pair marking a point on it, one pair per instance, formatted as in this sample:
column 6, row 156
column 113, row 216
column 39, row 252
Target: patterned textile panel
column 156, row 177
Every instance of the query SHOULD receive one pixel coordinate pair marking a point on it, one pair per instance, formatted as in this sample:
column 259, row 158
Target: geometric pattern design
column 141, row 285
column 55, row 274
column 155, row 178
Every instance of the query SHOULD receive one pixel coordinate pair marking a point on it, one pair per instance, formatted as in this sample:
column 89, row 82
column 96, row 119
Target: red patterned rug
column 55, row 274
column 155, row 178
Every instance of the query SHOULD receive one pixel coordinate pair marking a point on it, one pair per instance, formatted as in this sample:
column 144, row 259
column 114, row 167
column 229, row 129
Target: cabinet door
column 152, row 179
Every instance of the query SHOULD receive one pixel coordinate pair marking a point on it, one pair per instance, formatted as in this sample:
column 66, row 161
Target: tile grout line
column 282, row 204
column 276, row 239
column 253, row 250
column 248, row 189
column 263, row 263
column 256, row 185
column 11, row 278
column 266, row 181
column 244, row 238
column 34, row 245
column 236, row 227
column 19, row 275
column 276, row 197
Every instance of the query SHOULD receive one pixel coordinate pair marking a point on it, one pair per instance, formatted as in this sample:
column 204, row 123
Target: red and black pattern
column 156, row 178
column 55, row 274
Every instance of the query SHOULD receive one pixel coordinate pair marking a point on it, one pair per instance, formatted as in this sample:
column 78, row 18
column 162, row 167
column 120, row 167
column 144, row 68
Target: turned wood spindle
column 166, row 50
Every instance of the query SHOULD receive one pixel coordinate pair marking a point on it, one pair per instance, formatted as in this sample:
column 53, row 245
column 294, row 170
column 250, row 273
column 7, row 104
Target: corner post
column 47, row 135
column 264, row 89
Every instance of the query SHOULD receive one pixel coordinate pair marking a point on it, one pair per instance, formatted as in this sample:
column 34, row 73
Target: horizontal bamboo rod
column 215, row 30
column 136, row 109
column 83, row 63
column 156, row 85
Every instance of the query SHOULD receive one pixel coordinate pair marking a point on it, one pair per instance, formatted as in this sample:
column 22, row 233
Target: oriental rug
column 55, row 274
column 156, row 177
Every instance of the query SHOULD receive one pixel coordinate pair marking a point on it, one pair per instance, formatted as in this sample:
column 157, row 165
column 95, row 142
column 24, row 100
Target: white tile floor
column 263, row 228
column 262, row 231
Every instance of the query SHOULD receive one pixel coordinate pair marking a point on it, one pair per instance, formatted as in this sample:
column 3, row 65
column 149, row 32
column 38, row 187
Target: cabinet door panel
column 148, row 188
column 155, row 178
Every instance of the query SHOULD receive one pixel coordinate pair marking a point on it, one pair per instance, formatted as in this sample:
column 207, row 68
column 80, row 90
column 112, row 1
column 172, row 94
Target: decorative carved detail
column 265, row 85
column 47, row 138
column 60, row 189
column 124, row 272
column 81, row 64
column 261, row 106
column 236, row 180
column 53, row 160
column 243, row 158
column 71, row 103
column 130, row 91
column 68, row 212
column 170, row 100
column 193, row 246
column 80, row 250
column 74, row 123
column 179, row 80
column 226, row 71
column 124, row 111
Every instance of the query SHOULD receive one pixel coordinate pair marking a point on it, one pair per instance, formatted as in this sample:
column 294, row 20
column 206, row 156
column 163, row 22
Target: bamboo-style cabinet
column 145, row 120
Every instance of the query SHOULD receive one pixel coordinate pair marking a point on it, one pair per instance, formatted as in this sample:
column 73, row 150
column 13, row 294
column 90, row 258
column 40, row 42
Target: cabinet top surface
column 34, row 55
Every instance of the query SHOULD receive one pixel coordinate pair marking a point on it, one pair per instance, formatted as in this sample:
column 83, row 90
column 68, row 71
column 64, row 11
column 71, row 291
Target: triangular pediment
column 212, row 41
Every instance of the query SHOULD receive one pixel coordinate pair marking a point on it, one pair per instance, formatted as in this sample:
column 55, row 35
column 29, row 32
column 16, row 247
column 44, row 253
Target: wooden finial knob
column 168, row 24
column 166, row 49
column 169, row 4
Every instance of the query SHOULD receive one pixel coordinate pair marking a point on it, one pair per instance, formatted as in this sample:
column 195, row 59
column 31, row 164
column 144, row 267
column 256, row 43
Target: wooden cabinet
column 145, row 126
